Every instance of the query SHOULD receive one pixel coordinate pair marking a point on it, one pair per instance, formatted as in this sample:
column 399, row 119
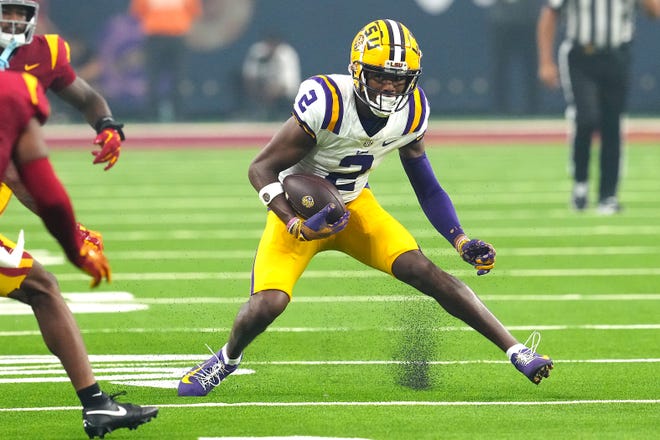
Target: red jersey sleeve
column 48, row 57
column 60, row 52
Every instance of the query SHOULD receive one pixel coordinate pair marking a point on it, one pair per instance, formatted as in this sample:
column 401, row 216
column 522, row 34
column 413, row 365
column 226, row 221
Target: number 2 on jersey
column 363, row 160
column 306, row 100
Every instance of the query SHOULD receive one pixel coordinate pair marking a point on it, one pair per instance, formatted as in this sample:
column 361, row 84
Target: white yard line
column 152, row 360
column 367, row 273
column 423, row 232
column 276, row 329
column 435, row 251
column 571, row 297
column 352, row 404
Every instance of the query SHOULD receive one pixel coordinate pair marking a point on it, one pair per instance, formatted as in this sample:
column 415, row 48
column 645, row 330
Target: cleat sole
column 101, row 431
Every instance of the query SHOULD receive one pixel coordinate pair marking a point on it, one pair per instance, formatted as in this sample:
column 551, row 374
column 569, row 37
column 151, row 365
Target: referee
column 594, row 65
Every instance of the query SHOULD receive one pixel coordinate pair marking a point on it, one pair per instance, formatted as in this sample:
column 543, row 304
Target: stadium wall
column 454, row 35
column 256, row 135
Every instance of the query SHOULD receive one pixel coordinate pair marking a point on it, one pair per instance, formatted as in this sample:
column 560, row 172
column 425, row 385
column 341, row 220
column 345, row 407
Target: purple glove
column 478, row 253
column 316, row 227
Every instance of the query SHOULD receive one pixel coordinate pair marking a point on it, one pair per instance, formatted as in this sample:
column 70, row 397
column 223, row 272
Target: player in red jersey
column 48, row 58
column 23, row 107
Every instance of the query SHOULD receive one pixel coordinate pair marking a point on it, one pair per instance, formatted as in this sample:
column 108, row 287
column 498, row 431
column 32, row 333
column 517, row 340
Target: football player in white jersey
column 341, row 128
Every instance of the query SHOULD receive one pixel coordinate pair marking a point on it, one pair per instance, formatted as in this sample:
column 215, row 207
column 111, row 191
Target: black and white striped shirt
column 602, row 24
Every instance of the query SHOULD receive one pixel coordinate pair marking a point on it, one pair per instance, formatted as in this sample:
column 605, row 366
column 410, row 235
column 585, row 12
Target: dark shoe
column 199, row 381
column 103, row 419
column 531, row 364
column 609, row 206
column 579, row 196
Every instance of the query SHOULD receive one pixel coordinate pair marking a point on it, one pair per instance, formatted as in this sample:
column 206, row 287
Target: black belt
column 590, row 49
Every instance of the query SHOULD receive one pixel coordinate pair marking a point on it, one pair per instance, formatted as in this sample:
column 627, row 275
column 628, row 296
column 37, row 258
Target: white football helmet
column 21, row 32
column 385, row 48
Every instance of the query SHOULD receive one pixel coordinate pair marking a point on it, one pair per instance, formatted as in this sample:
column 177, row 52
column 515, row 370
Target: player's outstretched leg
column 110, row 415
column 200, row 380
column 528, row 362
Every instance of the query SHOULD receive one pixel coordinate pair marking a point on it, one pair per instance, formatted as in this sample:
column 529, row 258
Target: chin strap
column 4, row 57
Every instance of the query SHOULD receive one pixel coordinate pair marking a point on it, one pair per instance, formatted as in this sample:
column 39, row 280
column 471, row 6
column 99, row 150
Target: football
column 308, row 194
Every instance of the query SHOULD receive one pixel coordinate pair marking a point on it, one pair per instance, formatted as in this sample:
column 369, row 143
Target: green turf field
column 357, row 354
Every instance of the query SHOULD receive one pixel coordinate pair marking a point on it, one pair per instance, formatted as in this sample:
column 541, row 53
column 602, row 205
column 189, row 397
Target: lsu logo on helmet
column 387, row 49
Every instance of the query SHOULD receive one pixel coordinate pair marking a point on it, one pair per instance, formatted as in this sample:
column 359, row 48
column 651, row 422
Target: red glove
column 94, row 263
column 110, row 142
column 94, row 238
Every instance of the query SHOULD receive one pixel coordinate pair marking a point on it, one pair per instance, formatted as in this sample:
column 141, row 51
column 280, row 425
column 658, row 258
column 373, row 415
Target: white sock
column 580, row 189
column 229, row 361
column 514, row 349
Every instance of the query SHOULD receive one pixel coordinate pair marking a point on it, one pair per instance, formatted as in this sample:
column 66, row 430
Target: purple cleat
column 200, row 380
column 530, row 363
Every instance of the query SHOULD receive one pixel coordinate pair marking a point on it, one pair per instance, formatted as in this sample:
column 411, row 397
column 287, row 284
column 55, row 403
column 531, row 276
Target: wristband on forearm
column 109, row 122
column 291, row 224
column 459, row 241
column 294, row 227
column 269, row 192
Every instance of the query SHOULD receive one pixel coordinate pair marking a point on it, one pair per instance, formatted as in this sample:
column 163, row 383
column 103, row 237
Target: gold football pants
column 372, row 237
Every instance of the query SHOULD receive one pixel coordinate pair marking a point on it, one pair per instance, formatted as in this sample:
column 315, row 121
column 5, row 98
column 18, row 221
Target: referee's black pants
column 596, row 96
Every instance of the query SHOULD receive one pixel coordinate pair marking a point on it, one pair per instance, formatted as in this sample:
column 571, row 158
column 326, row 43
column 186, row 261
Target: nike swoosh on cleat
column 121, row 411
column 186, row 378
column 29, row 67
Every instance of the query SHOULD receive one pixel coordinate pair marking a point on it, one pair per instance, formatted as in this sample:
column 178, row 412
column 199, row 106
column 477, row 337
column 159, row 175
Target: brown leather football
column 308, row 194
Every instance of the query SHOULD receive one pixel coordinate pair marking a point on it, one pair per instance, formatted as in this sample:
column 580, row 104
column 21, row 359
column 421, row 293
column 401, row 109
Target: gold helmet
column 385, row 48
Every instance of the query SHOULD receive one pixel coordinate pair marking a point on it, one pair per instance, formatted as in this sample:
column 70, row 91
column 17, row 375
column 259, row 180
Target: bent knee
column 37, row 286
column 268, row 304
column 412, row 265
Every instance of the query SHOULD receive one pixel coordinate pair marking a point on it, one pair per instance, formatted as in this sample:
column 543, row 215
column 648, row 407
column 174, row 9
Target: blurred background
column 466, row 55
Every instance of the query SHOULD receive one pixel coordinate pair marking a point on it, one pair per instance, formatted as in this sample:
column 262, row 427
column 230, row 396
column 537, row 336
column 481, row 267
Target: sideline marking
column 396, row 403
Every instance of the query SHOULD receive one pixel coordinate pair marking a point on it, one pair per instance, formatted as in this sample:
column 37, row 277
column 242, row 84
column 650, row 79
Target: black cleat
column 579, row 197
column 103, row 419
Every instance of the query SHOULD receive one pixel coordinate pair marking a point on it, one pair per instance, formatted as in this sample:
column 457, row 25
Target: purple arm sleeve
column 435, row 202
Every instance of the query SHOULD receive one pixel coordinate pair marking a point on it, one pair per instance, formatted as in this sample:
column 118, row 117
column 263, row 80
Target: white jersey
column 345, row 154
